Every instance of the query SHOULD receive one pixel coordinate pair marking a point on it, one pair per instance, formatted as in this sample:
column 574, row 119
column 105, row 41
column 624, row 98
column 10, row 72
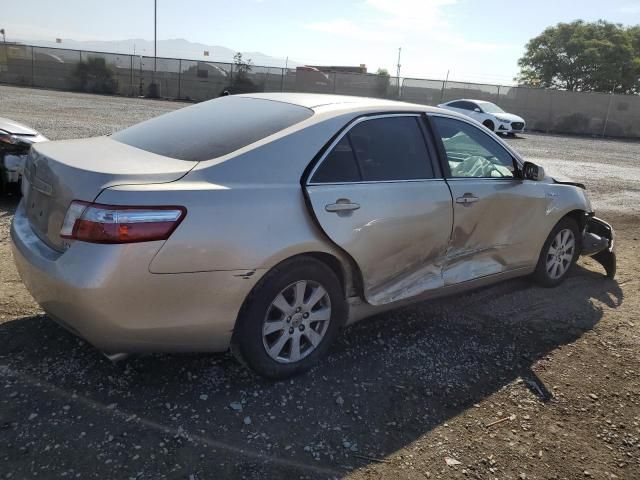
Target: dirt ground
column 508, row 382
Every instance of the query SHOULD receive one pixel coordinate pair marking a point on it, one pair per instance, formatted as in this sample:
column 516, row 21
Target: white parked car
column 488, row 114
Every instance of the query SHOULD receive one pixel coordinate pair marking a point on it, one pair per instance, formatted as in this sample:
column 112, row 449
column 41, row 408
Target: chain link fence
column 556, row 111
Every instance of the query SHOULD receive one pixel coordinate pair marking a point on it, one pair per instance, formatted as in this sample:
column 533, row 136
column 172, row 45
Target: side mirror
column 531, row 171
column 477, row 110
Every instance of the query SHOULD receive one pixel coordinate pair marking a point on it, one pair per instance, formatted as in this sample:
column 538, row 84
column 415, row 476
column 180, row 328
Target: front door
column 377, row 193
column 495, row 212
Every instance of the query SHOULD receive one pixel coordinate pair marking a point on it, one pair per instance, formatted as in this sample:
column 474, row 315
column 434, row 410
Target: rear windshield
column 212, row 129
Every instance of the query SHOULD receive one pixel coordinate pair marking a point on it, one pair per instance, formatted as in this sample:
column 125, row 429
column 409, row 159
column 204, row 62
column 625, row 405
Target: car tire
column 278, row 344
column 559, row 254
column 490, row 125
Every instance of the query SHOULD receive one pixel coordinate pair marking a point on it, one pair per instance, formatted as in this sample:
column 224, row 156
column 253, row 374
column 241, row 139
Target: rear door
column 496, row 214
column 378, row 193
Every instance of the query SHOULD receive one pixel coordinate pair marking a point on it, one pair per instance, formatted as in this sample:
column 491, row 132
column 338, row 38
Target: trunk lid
column 58, row 172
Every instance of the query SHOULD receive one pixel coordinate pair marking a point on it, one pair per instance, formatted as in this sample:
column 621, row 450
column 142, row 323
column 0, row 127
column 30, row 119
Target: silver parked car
column 15, row 141
column 267, row 222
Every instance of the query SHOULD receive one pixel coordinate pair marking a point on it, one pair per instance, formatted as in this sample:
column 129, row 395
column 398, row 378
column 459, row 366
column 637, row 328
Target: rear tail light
column 96, row 223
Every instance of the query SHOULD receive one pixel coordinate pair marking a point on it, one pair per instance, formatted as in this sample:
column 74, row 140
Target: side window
column 391, row 148
column 339, row 166
column 471, row 152
column 381, row 149
column 469, row 106
column 456, row 104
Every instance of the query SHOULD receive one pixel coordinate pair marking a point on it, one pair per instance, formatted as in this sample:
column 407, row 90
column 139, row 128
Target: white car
column 488, row 114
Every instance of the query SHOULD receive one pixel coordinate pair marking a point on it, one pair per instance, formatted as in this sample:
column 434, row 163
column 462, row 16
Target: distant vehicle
column 489, row 114
column 15, row 141
column 311, row 79
column 267, row 222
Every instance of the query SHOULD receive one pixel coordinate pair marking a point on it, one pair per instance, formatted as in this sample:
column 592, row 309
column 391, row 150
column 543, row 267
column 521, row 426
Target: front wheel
column 490, row 125
column 559, row 254
column 290, row 319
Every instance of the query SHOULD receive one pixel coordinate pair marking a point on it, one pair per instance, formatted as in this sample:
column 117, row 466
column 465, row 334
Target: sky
column 475, row 40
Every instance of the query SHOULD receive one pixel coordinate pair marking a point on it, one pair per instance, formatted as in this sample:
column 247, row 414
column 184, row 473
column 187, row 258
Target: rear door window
column 339, row 166
column 457, row 104
column 212, row 129
column 379, row 149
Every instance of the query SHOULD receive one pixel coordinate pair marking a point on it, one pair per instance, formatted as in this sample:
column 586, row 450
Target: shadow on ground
column 388, row 381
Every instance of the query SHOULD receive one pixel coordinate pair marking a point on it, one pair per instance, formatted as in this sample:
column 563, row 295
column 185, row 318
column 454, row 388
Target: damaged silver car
column 265, row 223
column 15, row 141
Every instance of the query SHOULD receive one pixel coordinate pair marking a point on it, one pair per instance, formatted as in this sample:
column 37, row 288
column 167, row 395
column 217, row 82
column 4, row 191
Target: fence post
column 282, row 73
column 179, row 78
column 606, row 118
column 550, row 94
column 131, row 76
column 33, row 74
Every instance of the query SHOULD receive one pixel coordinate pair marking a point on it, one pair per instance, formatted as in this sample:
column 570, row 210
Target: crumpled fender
column 599, row 244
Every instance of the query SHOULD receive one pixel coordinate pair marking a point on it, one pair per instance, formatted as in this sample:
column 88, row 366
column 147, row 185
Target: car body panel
column 117, row 305
column 498, row 232
column 58, row 172
column 16, row 128
column 247, row 212
column 398, row 237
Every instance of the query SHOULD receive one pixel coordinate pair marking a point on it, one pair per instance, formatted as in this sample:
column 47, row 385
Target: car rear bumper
column 106, row 295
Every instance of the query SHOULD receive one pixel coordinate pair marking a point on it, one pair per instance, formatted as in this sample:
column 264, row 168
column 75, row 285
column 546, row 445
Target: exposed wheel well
column 580, row 217
column 351, row 280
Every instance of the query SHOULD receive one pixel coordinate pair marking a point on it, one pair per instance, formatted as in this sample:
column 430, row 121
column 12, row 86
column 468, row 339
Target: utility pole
column 155, row 35
column 398, row 71
column 444, row 87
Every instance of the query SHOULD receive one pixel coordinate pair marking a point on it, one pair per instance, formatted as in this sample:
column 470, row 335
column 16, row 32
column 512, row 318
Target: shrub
column 94, row 76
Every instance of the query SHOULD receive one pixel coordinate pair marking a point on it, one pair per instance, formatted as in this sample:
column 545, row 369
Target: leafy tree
column 383, row 72
column 240, row 82
column 242, row 67
column 94, row 76
column 580, row 56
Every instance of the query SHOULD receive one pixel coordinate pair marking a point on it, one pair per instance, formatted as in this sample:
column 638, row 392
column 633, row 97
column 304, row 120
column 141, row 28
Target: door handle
column 342, row 205
column 467, row 198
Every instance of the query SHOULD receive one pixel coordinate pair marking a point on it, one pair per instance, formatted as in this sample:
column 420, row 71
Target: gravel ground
column 508, row 382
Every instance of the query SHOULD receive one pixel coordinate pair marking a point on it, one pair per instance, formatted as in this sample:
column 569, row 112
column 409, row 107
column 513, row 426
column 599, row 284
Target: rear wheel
column 489, row 124
column 559, row 254
column 290, row 319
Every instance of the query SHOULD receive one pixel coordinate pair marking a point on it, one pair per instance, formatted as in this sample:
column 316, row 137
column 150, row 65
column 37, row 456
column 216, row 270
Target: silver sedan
column 265, row 223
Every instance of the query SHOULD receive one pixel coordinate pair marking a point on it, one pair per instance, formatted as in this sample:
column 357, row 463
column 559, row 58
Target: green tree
column 580, row 56
column 383, row 72
column 241, row 67
column 241, row 81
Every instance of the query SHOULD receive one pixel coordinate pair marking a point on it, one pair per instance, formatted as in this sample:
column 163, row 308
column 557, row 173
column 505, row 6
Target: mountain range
column 172, row 48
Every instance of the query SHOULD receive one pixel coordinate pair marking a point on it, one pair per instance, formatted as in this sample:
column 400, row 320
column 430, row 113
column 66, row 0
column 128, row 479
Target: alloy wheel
column 296, row 321
column 560, row 253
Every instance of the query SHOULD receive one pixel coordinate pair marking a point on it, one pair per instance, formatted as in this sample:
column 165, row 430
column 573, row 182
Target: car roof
column 315, row 101
column 469, row 100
